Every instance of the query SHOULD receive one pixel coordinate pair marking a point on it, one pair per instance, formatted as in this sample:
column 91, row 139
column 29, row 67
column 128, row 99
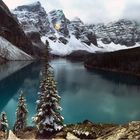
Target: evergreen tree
column 21, row 115
column 48, row 118
column 47, row 51
column 3, row 123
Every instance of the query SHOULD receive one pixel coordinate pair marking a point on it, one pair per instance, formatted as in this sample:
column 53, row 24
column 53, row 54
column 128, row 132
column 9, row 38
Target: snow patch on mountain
column 11, row 52
column 115, row 47
column 58, row 48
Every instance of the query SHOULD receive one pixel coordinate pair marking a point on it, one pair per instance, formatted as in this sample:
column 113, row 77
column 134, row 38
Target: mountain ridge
column 60, row 31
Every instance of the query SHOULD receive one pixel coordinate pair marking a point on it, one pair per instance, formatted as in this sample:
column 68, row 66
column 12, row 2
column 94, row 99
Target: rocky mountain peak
column 59, row 21
column 123, row 32
column 33, row 17
column 55, row 26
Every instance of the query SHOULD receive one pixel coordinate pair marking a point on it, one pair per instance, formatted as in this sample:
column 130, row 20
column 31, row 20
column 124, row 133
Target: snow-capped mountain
column 123, row 32
column 33, row 18
column 65, row 36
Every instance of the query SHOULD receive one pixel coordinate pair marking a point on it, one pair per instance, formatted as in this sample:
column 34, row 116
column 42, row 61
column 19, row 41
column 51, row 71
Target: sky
column 89, row 11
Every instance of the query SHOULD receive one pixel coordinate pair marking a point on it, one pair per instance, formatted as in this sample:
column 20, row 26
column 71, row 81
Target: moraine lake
column 86, row 95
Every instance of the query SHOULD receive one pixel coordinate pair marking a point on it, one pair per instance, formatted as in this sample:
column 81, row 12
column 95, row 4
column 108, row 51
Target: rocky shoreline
column 86, row 130
column 89, row 130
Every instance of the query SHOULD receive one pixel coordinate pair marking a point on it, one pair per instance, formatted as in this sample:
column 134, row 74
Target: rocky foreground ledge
column 88, row 130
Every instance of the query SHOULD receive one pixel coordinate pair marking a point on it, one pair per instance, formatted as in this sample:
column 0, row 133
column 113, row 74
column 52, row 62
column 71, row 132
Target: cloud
column 12, row 4
column 132, row 10
column 90, row 11
column 93, row 10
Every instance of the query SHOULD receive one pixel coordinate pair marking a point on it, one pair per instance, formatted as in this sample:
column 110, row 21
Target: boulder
column 71, row 136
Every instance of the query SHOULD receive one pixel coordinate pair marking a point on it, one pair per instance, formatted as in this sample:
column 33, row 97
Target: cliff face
column 11, row 30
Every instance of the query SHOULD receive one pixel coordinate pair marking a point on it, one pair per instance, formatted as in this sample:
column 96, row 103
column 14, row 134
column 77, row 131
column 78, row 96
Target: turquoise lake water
column 86, row 95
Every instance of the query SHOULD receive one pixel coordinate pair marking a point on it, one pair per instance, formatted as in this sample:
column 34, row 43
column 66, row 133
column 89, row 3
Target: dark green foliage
column 3, row 122
column 21, row 115
column 48, row 118
column 47, row 51
column 121, row 61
